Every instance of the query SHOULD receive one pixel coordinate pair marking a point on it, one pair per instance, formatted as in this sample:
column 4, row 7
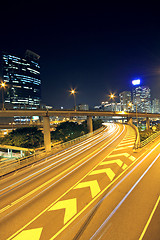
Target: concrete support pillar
column 89, row 124
column 47, row 135
column 129, row 120
column 21, row 153
column 147, row 123
column 11, row 153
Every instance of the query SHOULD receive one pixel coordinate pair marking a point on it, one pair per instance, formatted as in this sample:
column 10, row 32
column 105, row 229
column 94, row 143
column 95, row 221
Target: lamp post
column 112, row 96
column 136, row 115
column 3, row 85
column 130, row 105
column 73, row 92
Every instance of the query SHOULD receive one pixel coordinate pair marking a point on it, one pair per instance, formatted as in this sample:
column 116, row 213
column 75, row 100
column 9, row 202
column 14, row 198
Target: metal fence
column 149, row 139
column 7, row 166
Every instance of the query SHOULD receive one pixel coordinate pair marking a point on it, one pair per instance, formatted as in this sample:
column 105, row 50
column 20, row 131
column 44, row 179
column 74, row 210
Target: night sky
column 96, row 49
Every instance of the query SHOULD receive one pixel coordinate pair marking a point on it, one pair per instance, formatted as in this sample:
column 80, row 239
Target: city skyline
column 16, row 71
column 93, row 48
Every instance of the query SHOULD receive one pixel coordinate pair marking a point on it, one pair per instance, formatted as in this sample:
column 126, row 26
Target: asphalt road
column 97, row 189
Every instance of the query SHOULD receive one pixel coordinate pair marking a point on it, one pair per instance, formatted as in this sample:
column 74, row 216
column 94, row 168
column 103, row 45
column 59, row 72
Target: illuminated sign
column 136, row 82
column 35, row 118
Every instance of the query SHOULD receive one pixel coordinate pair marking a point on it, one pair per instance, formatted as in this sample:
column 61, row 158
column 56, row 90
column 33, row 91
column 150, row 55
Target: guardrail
column 149, row 139
column 140, row 144
column 137, row 141
column 12, row 165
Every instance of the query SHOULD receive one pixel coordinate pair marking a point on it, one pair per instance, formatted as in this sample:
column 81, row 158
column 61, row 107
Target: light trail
column 68, row 223
column 74, row 169
column 51, row 165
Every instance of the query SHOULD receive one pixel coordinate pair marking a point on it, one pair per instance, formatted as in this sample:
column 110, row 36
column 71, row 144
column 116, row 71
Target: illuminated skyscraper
column 142, row 99
column 22, row 77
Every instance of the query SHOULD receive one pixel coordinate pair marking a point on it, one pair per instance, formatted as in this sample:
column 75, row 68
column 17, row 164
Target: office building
column 22, row 78
column 125, row 99
column 142, row 99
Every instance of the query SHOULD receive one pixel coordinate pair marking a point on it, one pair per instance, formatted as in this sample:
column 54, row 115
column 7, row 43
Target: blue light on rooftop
column 136, row 82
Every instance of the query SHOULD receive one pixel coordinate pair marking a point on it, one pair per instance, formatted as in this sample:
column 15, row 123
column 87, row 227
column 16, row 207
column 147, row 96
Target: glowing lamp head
column 3, row 84
column 72, row 91
column 136, row 82
column 112, row 96
column 130, row 104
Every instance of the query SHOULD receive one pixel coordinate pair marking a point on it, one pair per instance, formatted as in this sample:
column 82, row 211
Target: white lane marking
column 150, row 218
column 125, row 197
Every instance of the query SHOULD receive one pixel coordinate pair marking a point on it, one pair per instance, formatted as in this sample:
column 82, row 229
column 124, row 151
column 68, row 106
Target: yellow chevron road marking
column 70, row 206
column 94, row 186
column 29, row 234
column 125, row 140
column 108, row 171
column 118, row 161
column 124, row 166
column 126, row 143
column 119, row 154
column 132, row 158
column 121, row 148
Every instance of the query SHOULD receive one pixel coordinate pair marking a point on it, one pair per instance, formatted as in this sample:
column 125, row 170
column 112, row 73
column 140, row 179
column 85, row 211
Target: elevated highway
column 71, row 113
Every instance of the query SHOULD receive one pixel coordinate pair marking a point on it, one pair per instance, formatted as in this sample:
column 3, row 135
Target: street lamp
column 112, row 96
column 3, row 85
column 130, row 105
column 73, row 92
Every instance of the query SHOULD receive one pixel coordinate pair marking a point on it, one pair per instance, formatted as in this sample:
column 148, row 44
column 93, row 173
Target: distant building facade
column 22, row 78
column 156, row 105
column 83, row 107
column 125, row 99
column 109, row 106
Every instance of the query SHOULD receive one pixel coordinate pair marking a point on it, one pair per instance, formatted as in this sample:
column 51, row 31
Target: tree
column 67, row 131
column 145, row 134
column 27, row 137
column 97, row 124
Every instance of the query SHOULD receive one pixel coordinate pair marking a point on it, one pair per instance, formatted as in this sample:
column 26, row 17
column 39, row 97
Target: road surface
column 97, row 189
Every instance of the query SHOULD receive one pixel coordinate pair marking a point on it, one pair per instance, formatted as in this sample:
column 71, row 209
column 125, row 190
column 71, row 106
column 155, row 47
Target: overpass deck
column 72, row 113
